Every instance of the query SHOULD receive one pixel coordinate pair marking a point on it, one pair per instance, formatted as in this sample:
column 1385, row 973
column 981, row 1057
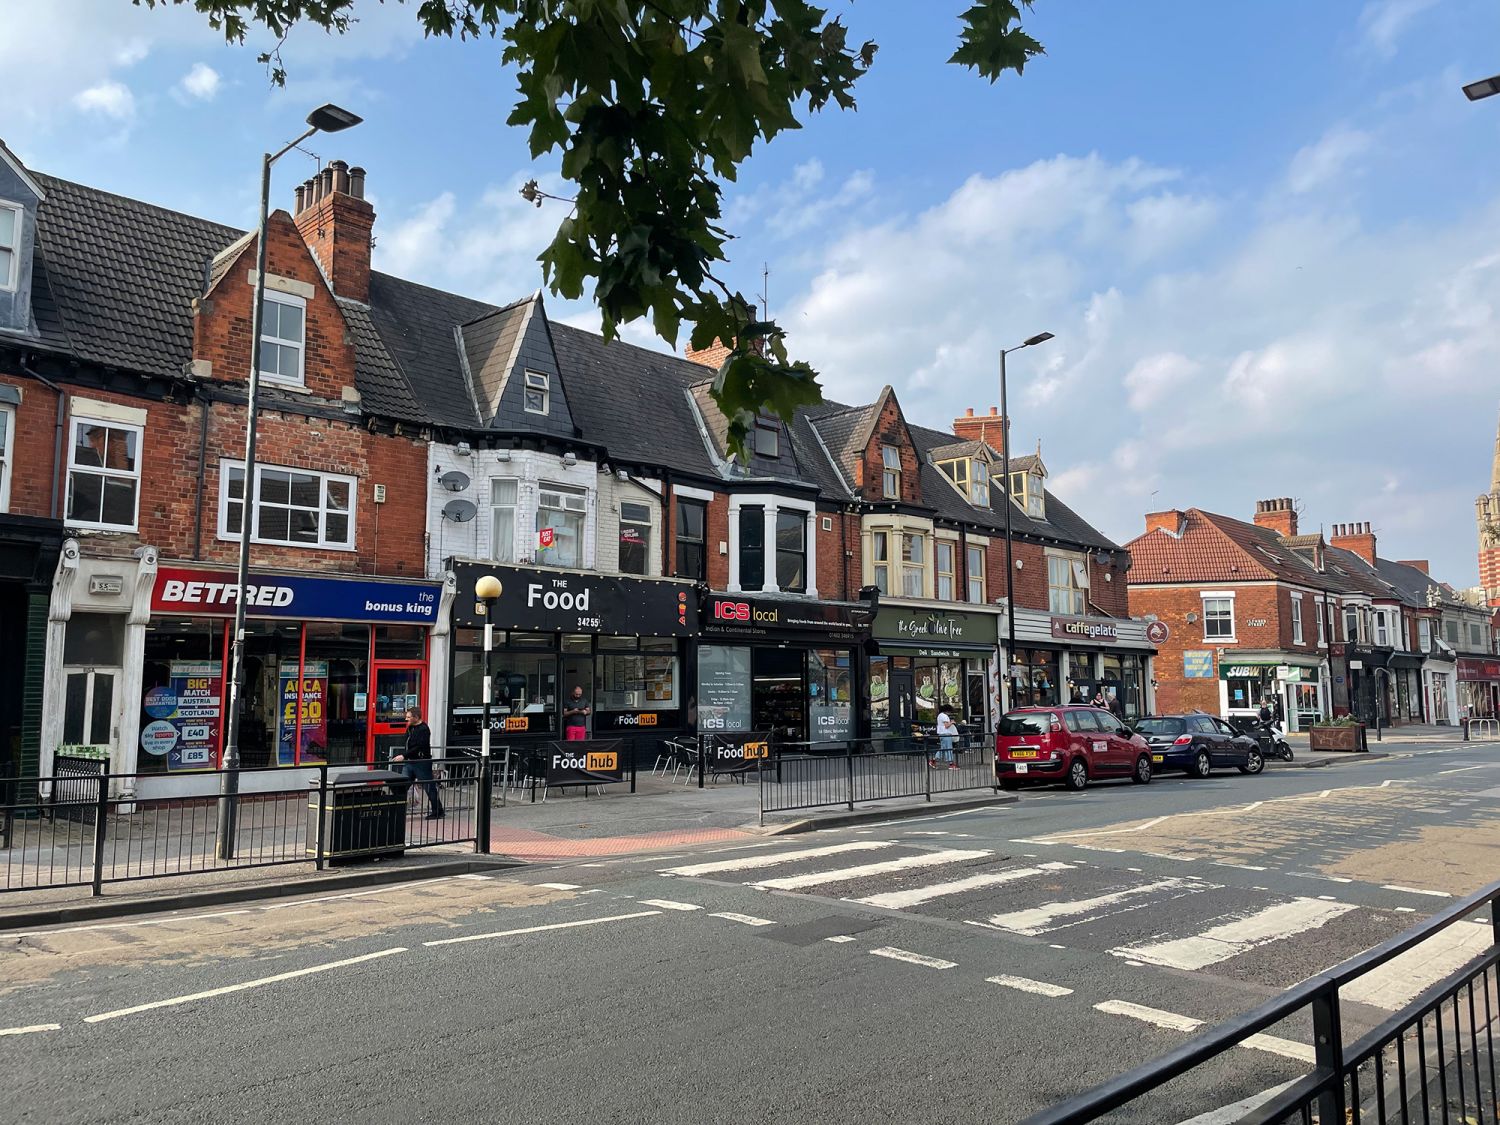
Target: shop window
column 1034, row 678
column 283, row 330
column 503, row 494
column 397, row 642
column 913, row 565
column 645, row 681
column 561, row 511
column 830, row 697
column 1246, row 692
column 880, row 693
column 880, row 551
column 272, row 651
column 752, row 548
column 890, row 477
column 635, row 537
column 1067, row 584
column 691, row 555
column 104, row 475
column 1296, row 621
column 182, row 696
column 296, row 506
column 337, row 699
column 945, row 552
column 724, row 675
column 1218, row 618
column 791, row 551
column 538, row 392
column 7, row 442
column 938, row 686
column 975, row 574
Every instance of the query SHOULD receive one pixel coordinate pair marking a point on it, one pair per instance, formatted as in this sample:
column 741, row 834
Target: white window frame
column 7, row 454
column 274, row 297
column 1036, row 496
column 226, row 469
column 1322, row 628
column 772, row 506
column 918, row 567
column 880, row 568
column 1070, row 597
column 1424, row 633
column 979, row 483
column 92, row 470
column 536, row 381
column 951, row 574
column 514, row 507
column 565, row 492
column 890, row 474
column 1214, row 596
column 1351, row 638
column 1382, row 631
column 12, row 281
column 974, row 574
column 1297, row 620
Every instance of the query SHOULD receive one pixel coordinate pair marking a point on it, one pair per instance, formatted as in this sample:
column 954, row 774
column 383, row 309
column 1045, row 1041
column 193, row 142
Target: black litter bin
column 363, row 817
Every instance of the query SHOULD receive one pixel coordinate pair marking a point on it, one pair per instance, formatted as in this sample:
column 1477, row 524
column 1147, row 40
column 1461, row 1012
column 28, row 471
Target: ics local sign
column 303, row 596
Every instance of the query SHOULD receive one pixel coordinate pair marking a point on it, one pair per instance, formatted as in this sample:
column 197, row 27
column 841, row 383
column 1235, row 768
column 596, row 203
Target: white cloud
column 1156, row 376
column 1328, row 159
column 201, row 82
column 1382, row 23
column 111, row 99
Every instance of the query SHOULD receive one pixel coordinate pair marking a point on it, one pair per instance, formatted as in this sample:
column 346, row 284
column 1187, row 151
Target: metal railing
column 1481, row 728
column 1433, row 1061
column 850, row 771
column 68, row 830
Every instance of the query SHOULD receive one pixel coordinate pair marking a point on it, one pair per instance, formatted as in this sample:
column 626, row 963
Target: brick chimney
column 1356, row 537
column 1172, row 521
column 1419, row 564
column 712, row 356
column 1278, row 515
column 989, row 427
column 336, row 221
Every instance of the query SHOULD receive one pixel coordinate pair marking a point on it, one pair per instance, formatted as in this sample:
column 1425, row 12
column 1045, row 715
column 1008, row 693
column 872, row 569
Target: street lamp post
column 1010, row 564
column 325, row 119
column 486, row 589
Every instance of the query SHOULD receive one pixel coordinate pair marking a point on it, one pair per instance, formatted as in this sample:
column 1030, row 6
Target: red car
column 1074, row 745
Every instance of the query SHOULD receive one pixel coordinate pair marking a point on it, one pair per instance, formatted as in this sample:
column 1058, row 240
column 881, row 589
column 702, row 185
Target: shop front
column 1293, row 683
column 29, row 550
column 793, row 667
column 931, row 659
column 1068, row 659
column 621, row 644
column 1479, row 687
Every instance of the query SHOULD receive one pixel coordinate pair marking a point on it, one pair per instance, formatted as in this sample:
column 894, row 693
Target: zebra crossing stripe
column 895, row 954
column 1154, row 1016
column 1240, row 935
column 906, row 863
column 1052, row 915
column 899, row 900
column 762, row 859
column 1025, row 984
column 1400, row 980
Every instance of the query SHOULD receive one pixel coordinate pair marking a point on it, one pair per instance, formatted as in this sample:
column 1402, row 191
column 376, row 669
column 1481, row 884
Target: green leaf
column 990, row 44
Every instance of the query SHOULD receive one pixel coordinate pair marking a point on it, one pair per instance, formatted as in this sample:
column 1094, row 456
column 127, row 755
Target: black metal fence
column 88, row 829
column 1432, row 1062
column 848, row 772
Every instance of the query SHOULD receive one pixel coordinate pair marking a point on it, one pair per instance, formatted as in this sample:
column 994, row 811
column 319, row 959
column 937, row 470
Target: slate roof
column 843, row 430
column 962, row 449
column 1412, row 584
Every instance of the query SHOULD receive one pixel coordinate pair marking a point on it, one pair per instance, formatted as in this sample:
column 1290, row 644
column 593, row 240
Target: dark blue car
column 1196, row 743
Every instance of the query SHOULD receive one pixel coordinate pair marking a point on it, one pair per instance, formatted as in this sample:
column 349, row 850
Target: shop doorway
column 903, row 696
column 396, row 686
column 778, row 693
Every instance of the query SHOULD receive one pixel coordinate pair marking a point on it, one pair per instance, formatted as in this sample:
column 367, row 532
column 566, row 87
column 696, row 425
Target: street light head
column 1484, row 88
column 487, row 587
column 331, row 119
column 1039, row 338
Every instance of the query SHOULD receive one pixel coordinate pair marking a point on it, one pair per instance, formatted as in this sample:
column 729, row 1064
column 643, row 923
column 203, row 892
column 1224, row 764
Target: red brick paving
column 523, row 843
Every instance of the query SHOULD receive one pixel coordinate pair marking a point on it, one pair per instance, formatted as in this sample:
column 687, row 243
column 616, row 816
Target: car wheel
column 1078, row 775
column 1201, row 766
column 1142, row 775
column 1254, row 763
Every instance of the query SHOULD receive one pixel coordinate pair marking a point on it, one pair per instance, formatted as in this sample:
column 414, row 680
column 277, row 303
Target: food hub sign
column 553, row 601
column 303, row 596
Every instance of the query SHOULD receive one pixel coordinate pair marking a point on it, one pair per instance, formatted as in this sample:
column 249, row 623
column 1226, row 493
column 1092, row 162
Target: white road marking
column 1466, row 769
column 540, row 929
column 895, row 954
column 746, row 863
column 1414, row 890
column 1230, row 939
column 898, row 900
column 30, row 1030
column 1023, row 984
column 1302, row 1052
column 1040, row 919
column 1396, row 983
column 1098, row 848
column 1063, row 836
column 668, row 904
column 1319, row 875
column 1154, row 1016
column 747, row 919
column 560, row 886
column 1233, row 1114
column 1241, row 866
column 927, row 832
column 242, row 986
column 840, row 938
column 1406, row 910
column 839, row 875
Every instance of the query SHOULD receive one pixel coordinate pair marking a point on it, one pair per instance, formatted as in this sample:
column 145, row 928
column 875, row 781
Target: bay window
column 561, row 511
column 503, row 520
column 7, row 437
column 1382, row 629
column 11, row 217
column 975, row 566
column 791, row 550
column 979, row 490
column 1424, row 633
column 752, row 548
column 296, row 506
column 1351, row 624
column 104, row 474
column 880, row 551
column 913, row 565
column 945, row 574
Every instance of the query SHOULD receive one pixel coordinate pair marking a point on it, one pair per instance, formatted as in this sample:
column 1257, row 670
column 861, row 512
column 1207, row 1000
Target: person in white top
column 947, row 732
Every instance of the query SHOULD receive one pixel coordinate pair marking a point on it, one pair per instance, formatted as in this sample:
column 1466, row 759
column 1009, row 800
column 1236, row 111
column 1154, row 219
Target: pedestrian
column 416, row 762
column 576, row 717
column 1116, row 708
column 1099, row 700
column 947, row 732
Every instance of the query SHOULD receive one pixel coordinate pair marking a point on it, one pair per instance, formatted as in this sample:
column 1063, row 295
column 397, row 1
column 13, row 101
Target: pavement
column 970, row 964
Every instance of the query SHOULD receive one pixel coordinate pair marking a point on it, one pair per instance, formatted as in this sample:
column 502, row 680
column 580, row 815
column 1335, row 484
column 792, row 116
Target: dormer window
column 1027, row 491
column 971, row 476
column 283, row 336
column 11, row 216
column 767, row 438
column 979, row 491
column 538, row 392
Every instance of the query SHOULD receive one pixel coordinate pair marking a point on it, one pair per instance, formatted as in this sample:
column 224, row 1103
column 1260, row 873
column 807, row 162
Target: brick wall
column 890, row 429
column 31, row 448
column 337, row 228
column 839, row 575
column 716, row 531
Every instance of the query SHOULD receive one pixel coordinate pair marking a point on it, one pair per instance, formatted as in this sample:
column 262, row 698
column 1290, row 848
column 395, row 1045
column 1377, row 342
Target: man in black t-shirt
column 416, row 762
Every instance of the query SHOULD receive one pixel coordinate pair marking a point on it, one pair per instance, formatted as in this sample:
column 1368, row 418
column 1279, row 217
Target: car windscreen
column 1025, row 723
column 1173, row 727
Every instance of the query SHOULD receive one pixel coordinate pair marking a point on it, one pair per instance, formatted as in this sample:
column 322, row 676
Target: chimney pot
column 300, row 191
column 357, row 182
column 340, row 170
column 325, row 183
column 969, row 412
column 994, row 410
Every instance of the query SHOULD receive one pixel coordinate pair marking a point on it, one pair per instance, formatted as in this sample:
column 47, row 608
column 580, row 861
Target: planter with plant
column 1342, row 733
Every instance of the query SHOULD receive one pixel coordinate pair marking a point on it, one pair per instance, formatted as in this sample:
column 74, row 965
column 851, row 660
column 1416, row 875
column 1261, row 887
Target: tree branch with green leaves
column 652, row 106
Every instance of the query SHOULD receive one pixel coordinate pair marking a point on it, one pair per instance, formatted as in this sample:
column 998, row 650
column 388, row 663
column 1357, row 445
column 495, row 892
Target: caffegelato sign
column 1084, row 629
column 903, row 625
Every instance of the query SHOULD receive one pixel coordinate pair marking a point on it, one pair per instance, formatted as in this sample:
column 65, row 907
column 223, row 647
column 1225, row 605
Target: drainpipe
column 57, row 439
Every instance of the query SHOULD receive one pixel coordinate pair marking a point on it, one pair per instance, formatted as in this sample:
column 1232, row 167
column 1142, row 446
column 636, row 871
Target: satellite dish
column 454, row 481
column 460, row 511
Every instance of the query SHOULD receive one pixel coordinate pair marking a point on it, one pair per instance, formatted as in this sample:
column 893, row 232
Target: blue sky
column 1267, row 235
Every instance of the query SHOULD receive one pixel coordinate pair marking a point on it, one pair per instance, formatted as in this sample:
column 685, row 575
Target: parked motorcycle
column 1273, row 743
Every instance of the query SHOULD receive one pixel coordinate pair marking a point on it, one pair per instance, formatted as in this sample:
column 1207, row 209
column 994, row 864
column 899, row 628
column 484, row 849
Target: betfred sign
column 1472, row 669
column 190, row 590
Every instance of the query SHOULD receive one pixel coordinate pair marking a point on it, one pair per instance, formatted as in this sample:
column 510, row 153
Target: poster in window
column 314, row 715
column 723, row 688
column 186, row 714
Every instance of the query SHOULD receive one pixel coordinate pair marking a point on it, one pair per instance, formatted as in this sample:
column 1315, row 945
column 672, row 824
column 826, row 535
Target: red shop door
column 395, row 686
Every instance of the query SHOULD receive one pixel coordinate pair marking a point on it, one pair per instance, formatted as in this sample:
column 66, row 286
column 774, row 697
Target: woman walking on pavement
column 947, row 731
column 416, row 762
